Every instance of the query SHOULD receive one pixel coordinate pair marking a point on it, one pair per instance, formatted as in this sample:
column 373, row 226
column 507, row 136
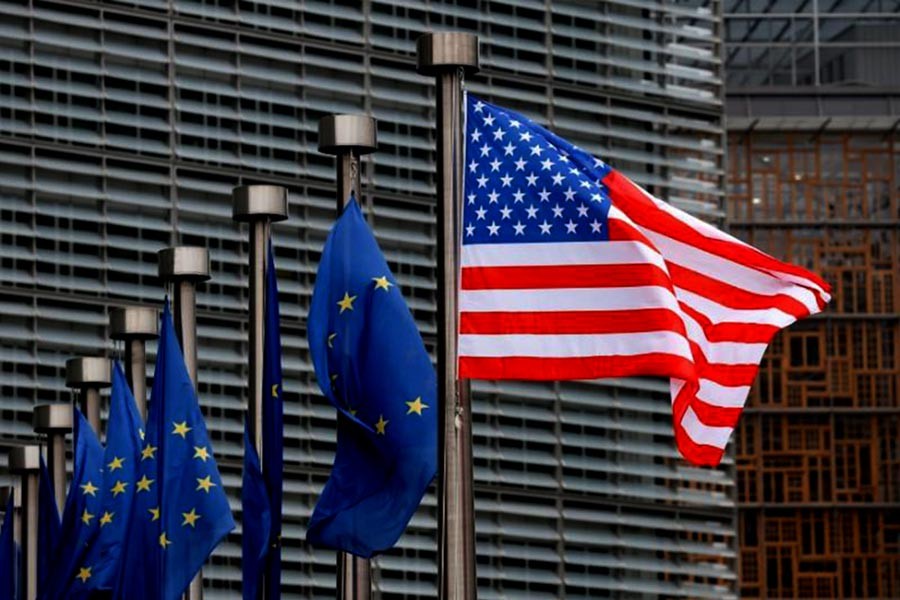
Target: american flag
column 571, row 271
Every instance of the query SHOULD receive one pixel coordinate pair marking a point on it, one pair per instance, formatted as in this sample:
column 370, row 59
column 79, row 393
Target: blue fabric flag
column 263, row 553
column 48, row 528
column 9, row 555
column 273, row 426
column 256, row 520
column 184, row 513
column 99, row 561
column 79, row 521
column 372, row 366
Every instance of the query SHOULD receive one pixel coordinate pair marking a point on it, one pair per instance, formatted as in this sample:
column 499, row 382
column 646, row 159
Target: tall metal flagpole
column 448, row 56
column 25, row 461
column 135, row 325
column 185, row 267
column 55, row 420
column 349, row 137
column 89, row 375
column 260, row 206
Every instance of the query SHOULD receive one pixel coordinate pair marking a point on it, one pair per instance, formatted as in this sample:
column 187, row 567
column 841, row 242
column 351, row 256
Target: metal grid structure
column 123, row 128
column 814, row 177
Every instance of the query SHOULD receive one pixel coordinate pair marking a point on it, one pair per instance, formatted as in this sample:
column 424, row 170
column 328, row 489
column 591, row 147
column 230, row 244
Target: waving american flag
column 571, row 271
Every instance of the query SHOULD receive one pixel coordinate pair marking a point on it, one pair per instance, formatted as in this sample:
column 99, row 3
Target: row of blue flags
column 144, row 511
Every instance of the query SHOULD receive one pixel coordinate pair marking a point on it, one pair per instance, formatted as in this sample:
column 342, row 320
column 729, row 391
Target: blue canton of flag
column 522, row 189
column 261, row 493
column 372, row 366
column 184, row 513
column 48, row 528
column 79, row 522
column 9, row 554
column 99, row 562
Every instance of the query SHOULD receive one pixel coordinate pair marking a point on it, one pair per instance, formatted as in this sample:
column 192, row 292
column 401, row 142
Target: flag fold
column 372, row 365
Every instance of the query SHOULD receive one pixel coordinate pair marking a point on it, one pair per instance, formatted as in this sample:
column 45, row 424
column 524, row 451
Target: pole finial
column 180, row 263
column 439, row 52
column 345, row 133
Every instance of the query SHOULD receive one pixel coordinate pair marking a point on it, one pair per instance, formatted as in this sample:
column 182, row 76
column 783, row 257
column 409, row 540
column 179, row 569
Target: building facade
column 813, row 103
column 124, row 126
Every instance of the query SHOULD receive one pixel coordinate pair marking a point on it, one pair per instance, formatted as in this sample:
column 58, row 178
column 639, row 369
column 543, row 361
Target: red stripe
column 640, row 209
column 575, row 321
column 592, row 367
column 563, row 276
column 700, row 455
column 749, row 333
column 732, row 296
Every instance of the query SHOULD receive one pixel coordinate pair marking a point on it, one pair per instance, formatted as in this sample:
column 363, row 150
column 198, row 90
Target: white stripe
column 702, row 433
column 568, row 253
column 561, row 299
column 572, row 346
column 725, row 396
column 718, row 313
column 728, row 271
column 725, row 353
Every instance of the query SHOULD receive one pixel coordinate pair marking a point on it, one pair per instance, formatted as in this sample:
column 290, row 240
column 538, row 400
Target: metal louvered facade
column 123, row 128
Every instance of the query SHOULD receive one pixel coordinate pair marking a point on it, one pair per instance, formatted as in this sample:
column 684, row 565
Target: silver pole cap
column 342, row 133
column 52, row 418
column 440, row 52
column 134, row 323
column 25, row 459
column 184, row 262
column 259, row 203
column 87, row 372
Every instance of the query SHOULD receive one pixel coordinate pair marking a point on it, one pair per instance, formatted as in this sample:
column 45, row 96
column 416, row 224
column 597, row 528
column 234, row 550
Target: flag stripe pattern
column 571, row 271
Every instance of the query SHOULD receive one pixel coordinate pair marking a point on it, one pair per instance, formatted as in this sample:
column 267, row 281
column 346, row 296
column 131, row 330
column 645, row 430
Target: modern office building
column 813, row 105
column 124, row 126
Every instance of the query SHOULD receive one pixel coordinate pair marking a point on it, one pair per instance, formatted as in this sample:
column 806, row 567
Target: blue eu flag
column 48, row 528
column 261, row 494
column 80, row 515
column 180, row 512
column 372, row 366
column 9, row 554
column 99, row 560
column 256, row 519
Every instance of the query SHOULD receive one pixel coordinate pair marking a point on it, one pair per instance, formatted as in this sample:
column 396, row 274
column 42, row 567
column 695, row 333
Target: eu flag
column 80, row 520
column 256, row 518
column 8, row 553
column 372, row 366
column 180, row 512
column 99, row 560
column 261, row 493
column 48, row 528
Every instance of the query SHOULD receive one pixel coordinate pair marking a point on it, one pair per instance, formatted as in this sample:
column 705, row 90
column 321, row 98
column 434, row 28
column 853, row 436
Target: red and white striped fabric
column 662, row 294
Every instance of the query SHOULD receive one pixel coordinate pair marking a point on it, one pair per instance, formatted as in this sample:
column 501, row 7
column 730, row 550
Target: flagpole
column 135, row 325
column 447, row 57
column 55, row 420
column 260, row 206
column 185, row 267
column 89, row 374
column 25, row 461
column 348, row 137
